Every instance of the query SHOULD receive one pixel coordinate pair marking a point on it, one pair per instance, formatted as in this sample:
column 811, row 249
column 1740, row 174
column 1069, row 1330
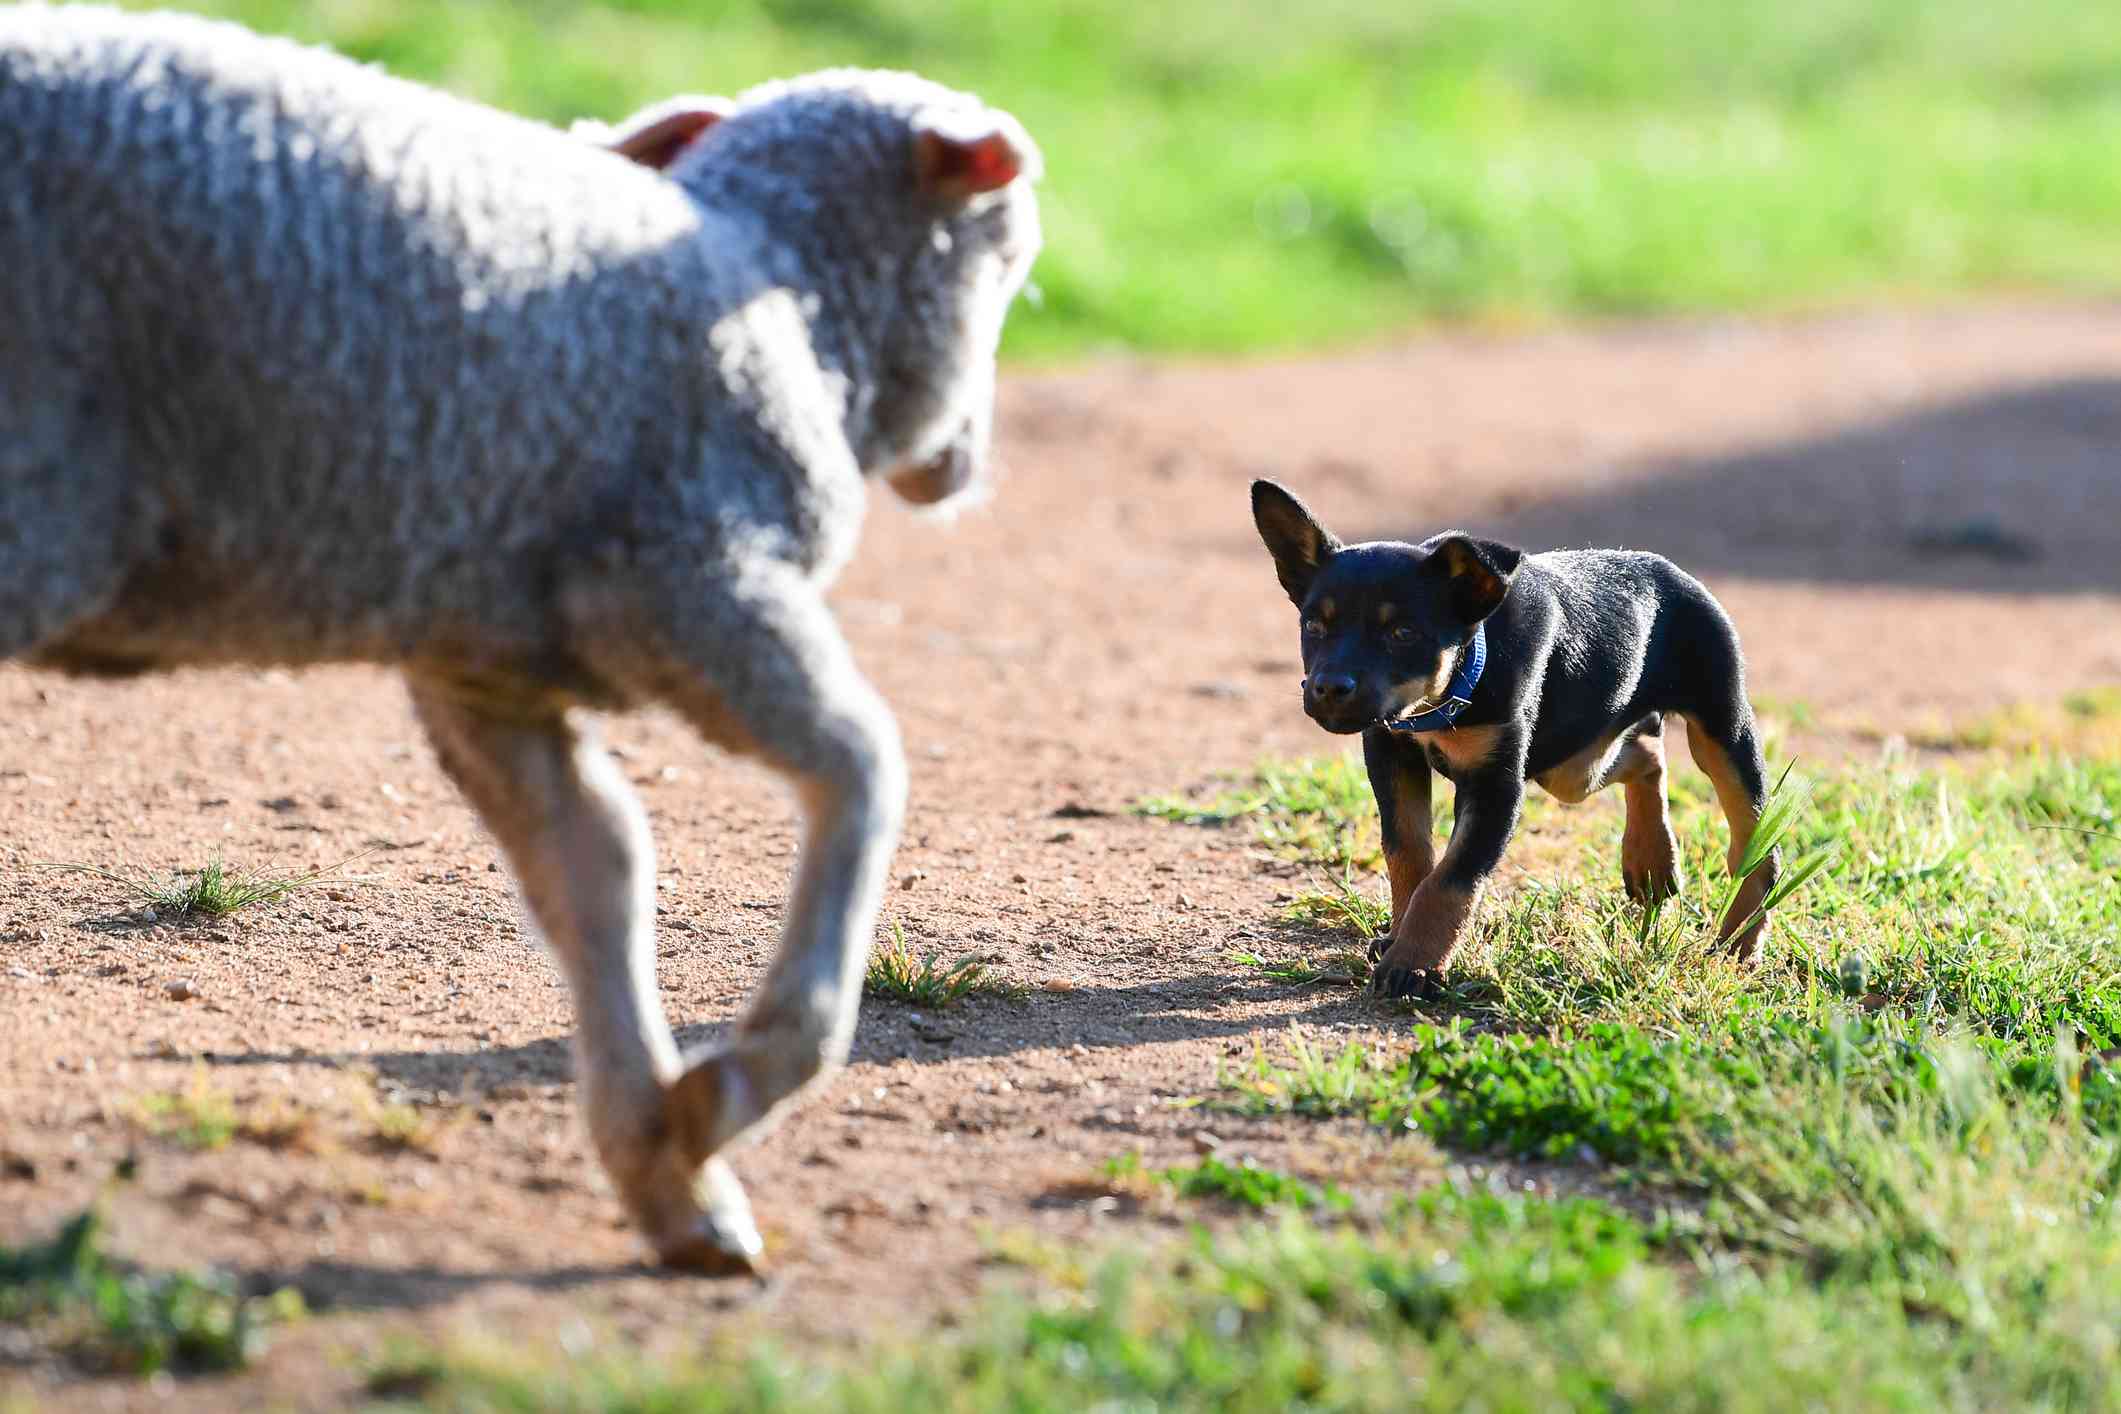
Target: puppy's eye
column 1402, row 635
column 1314, row 628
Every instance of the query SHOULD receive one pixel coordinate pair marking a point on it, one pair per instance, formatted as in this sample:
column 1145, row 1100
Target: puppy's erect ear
column 655, row 136
column 958, row 156
column 1299, row 544
column 1477, row 574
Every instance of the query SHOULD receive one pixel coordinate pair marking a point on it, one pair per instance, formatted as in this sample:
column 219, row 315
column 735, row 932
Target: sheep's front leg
column 580, row 848
column 763, row 669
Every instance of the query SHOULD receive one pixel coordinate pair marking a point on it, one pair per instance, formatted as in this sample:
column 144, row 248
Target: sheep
column 302, row 363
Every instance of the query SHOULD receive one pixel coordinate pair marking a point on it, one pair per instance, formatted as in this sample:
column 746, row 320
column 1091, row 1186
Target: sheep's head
column 909, row 206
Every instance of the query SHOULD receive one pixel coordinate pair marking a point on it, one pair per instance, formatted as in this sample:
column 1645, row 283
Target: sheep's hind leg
column 579, row 844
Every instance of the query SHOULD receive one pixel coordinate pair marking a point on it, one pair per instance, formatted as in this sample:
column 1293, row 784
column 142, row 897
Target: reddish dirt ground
column 1913, row 518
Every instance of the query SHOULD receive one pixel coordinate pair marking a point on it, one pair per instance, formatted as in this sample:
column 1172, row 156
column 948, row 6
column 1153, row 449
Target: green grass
column 1460, row 1300
column 1319, row 811
column 1234, row 176
column 1345, row 967
column 895, row 976
column 68, row 1294
column 211, row 891
column 1243, row 1183
column 1876, row 1172
column 199, row 1118
column 204, row 1117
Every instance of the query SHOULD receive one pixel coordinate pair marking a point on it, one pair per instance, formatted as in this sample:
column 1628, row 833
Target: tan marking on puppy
column 1463, row 748
column 1419, row 694
column 1436, row 920
column 1744, row 818
column 1387, row 612
column 1585, row 774
column 1415, row 858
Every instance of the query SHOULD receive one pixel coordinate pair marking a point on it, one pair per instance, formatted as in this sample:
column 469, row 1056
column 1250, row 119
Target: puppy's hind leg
column 761, row 667
column 1727, row 750
column 1649, row 855
column 580, row 848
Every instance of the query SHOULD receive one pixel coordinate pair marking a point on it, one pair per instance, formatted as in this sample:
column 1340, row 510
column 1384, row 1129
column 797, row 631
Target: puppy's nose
column 1331, row 689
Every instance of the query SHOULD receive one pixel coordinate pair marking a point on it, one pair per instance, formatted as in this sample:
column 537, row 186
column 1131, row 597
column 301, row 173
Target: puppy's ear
column 656, row 135
column 1476, row 574
column 1299, row 544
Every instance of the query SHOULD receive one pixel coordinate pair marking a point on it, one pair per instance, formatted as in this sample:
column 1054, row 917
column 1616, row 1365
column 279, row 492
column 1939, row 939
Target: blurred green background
column 1231, row 175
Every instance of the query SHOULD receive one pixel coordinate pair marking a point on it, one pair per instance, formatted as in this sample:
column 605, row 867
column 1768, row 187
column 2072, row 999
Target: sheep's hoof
column 721, row 1239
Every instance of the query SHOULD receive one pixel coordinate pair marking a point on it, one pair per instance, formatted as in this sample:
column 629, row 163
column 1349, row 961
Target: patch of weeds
column 2081, row 724
column 201, row 1117
column 1251, row 1185
column 212, row 891
column 1348, row 967
column 283, row 1126
column 404, row 1372
column 1609, row 1091
column 75, row 1298
column 895, row 976
column 395, row 1127
column 1668, row 1105
column 204, row 1116
column 1796, row 713
column 1244, row 1182
column 1319, row 810
column 1343, row 908
column 1461, row 1299
column 1779, row 814
column 1059, row 1263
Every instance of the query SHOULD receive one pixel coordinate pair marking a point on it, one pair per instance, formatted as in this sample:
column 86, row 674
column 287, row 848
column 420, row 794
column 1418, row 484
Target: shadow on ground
column 1099, row 1018
column 2010, row 492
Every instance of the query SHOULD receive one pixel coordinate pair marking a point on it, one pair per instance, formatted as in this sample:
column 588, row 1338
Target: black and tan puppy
column 1492, row 667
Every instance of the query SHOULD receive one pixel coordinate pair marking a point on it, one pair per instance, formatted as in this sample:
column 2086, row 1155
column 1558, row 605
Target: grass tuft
column 895, row 976
column 212, row 891
column 1251, row 1186
column 201, row 1117
column 70, row 1295
column 204, row 1117
column 1317, row 810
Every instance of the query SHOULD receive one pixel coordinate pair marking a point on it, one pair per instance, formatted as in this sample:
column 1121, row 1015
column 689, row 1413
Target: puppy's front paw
column 1411, row 983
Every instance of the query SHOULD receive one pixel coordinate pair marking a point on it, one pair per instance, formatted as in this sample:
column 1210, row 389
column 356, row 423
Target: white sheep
column 303, row 363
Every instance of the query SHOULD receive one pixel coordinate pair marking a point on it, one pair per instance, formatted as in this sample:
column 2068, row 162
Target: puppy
column 1492, row 667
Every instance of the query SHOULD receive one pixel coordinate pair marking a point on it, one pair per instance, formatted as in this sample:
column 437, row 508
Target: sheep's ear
column 955, row 157
column 1299, row 544
column 656, row 135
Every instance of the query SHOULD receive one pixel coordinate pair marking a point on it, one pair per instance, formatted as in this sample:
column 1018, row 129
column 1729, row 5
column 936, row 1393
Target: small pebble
column 181, row 989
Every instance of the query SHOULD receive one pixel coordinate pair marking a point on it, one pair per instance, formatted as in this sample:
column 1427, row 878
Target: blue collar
column 1445, row 715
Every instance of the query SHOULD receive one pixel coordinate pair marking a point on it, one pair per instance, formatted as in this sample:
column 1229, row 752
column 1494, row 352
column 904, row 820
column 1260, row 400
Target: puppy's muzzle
column 1334, row 701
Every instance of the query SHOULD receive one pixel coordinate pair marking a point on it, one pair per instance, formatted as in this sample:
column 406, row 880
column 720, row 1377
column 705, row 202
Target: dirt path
column 1912, row 518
